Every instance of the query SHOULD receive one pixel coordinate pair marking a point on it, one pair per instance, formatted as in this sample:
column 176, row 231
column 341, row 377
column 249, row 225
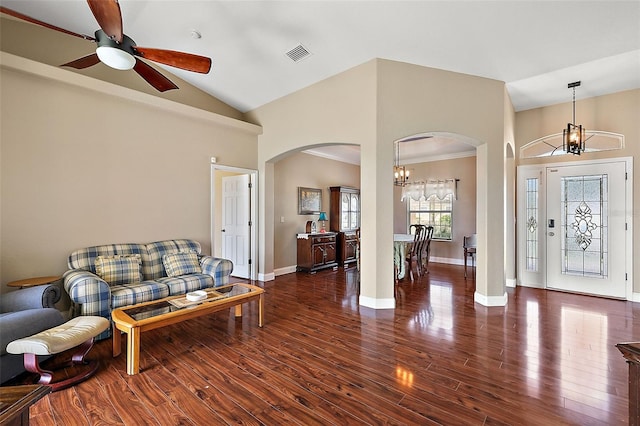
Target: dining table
column 401, row 242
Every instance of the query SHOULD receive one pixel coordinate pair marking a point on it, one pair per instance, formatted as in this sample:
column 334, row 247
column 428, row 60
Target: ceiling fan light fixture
column 115, row 58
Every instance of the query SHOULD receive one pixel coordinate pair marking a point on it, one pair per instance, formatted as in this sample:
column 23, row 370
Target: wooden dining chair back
column 425, row 250
column 413, row 255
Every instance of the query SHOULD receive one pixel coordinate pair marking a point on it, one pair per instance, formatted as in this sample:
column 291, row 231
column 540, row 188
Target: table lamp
column 323, row 218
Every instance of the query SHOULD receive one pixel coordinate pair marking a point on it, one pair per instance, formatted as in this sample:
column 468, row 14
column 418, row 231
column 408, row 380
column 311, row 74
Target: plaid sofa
column 93, row 295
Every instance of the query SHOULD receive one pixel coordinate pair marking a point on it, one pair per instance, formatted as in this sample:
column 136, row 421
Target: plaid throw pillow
column 177, row 264
column 119, row 269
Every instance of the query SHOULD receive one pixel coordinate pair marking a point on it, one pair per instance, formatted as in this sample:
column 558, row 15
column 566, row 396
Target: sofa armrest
column 86, row 287
column 219, row 269
column 42, row 296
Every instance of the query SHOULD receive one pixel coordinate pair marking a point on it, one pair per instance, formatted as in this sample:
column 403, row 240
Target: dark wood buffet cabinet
column 344, row 218
column 316, row 251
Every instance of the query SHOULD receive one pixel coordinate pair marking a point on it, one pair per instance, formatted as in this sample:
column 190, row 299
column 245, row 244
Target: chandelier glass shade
column 400, row 173
column 573, row 137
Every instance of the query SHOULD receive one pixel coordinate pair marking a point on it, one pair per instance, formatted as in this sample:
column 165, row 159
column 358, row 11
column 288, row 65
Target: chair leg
column 32, row 365
column 83, row 350
column 465, row 264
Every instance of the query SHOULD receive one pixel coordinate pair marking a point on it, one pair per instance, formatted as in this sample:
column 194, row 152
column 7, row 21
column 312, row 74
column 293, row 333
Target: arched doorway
column 432, row 157
column 317, row 166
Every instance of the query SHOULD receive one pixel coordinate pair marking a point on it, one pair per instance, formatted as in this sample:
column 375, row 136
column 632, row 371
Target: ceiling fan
column 118, row 51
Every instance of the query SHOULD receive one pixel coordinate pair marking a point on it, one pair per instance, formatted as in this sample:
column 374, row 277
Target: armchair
column 23, row 313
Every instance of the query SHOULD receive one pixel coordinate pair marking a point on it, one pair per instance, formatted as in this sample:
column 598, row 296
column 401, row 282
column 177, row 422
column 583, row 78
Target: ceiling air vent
column 298, row 53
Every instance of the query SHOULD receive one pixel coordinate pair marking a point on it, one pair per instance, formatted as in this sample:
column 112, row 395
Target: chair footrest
column 76, row 333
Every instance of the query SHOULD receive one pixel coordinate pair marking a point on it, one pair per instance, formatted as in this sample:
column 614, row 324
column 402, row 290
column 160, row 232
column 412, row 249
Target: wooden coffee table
column 135, row 319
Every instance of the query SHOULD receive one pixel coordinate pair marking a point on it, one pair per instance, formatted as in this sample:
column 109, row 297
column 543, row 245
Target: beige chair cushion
column 61, row 338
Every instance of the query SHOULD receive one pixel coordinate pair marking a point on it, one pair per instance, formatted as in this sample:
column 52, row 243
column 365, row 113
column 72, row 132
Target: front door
column 236, row 223
column 585, row 228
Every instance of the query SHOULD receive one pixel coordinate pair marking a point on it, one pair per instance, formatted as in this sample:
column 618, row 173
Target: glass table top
column 177, row 303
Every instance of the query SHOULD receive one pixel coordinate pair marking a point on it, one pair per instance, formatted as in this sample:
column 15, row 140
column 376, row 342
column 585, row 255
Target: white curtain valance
column 427, row 188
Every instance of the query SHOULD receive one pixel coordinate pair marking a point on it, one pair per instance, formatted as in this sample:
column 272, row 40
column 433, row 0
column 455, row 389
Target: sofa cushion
column 186, row 283
column 119, row 269
column 86, row 258
column 177, row 264
column 152, row 266
column 132, row 294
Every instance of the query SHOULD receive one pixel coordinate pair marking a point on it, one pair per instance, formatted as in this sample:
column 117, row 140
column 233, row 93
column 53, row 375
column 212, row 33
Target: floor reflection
column 435, row 315
column 532, row 352
column 584, row 344
column 404, row 377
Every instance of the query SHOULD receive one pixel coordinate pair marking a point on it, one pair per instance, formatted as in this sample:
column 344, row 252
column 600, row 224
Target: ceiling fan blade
column 153, row 77
column 84, row 62
column 109, row 17
column 185, row 61
column 43, row 24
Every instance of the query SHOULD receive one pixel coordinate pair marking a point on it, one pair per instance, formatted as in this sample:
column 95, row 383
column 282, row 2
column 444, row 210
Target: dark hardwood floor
column 547, row 358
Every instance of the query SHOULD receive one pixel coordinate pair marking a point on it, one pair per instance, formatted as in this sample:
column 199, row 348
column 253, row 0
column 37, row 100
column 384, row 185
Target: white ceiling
column 536, row 47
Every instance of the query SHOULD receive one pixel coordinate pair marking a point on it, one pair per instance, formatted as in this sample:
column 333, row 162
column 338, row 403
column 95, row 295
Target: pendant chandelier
column 573, row 137
column 400, row 173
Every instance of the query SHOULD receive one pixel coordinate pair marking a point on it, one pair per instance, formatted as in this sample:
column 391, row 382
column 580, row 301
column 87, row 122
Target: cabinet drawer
column 350, row 236
column 324, row 239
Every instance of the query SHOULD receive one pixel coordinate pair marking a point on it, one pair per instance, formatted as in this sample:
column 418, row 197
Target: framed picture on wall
column 309, row 200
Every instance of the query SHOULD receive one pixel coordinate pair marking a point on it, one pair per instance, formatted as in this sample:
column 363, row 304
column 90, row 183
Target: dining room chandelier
column 573, row 137
column 400, row 173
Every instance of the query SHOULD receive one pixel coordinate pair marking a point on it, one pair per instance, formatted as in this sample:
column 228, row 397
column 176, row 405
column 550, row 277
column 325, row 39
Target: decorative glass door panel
column 584, row 225
column 530, row 227
column 585, row 228
column 345, row 211
column 531, row 207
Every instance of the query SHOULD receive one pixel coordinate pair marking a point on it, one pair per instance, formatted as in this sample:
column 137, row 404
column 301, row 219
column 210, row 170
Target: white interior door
column 585, row 227
column 236, row 223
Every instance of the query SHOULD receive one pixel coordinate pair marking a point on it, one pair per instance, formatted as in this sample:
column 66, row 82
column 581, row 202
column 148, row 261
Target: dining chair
column 413, row 255
column 425, row 250
column 469, row 244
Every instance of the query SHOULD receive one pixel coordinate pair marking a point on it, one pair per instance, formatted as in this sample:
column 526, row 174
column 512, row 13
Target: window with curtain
column 435, row 212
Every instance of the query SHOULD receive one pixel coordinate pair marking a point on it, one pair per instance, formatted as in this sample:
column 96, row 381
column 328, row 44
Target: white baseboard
column 286, row 270
column 511, row 282
column 266, row 277
column 635, row 297
column 447, row 260
column 371, row 302
column 490, row 300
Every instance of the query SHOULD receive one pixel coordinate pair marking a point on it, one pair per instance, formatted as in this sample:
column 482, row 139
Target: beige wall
column 55, row 48
column 464, row 208
column 617, row 113
column 309, row 171
column 81, row 167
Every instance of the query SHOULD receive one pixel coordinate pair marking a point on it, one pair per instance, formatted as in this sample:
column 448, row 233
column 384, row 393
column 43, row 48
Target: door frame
column 253, row 212
column 543, row 215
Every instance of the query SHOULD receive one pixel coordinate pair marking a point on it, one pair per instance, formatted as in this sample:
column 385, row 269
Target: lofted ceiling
column 535, row 47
